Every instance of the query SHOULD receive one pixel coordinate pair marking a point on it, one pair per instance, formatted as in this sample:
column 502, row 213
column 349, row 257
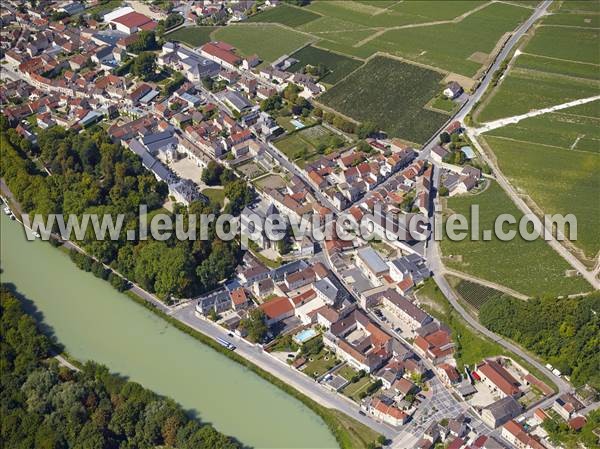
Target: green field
column 573, row 44
column 392, row 94
column 532, row 268
column 534, row 90
column 549, row 65
column 302, row 146
column 558, row 129
column 193, row 36
column 559, row 180
column 338, row 66
column 383, row 14
column 286, row 15
column 450, row 46
column 444, row 104
column 269, row 41
column 579, row 20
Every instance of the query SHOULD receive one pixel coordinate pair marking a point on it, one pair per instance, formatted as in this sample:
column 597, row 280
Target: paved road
column 282, row 370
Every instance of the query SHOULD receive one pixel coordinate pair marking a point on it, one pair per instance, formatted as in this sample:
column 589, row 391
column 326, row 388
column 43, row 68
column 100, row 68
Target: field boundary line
column 456, row 20
column 408, row 61
column 540, row 144
column 560, row 25
column 486, row 283
column 559, row 59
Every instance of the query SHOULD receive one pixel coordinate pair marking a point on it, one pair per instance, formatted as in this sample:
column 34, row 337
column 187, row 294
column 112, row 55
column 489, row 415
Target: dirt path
column 489, row 126
column 499, row 287
column 424, row 24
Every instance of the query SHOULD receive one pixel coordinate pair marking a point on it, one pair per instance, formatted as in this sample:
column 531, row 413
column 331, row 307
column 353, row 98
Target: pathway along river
column 94, row 321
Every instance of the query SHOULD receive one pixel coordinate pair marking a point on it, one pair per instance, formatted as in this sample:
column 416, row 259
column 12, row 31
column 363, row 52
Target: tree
column 146, row 41
column 144, row 66
column 239, row 195
column 212, row 173
column 173, row 20
column 255, row 325
column 445, row 138
column 366, row 129
column 274, row 102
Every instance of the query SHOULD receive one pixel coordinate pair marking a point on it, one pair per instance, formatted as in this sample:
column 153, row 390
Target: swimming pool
column 304, row 335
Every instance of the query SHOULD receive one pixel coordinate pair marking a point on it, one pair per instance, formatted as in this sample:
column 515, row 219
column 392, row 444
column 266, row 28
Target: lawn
column 532, row 268
column 286, row 15
column 193, row 36
column 443, row 104
column 216, row 196
column 559, row 180
column 338, row 66
column 104, row 8
column 268, row 41
column 353, row 390
column 392, row 94
column 303, row 145
column 320, row 364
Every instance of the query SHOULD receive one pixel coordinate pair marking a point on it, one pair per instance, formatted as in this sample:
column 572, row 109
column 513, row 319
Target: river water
column 94, row 321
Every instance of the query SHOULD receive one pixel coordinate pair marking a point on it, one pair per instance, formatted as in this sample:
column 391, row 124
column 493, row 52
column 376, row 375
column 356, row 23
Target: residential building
column 501, row 411
column 500, row 381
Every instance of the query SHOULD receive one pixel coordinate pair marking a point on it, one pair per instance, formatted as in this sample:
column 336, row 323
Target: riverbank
column 347, row 431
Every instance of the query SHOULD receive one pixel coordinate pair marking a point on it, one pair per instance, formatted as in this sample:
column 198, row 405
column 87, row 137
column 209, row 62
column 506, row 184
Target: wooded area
column 565, row 332
column 47, row 406
column 90, row 174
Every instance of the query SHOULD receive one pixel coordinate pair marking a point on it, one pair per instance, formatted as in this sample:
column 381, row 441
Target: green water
column 94, row 321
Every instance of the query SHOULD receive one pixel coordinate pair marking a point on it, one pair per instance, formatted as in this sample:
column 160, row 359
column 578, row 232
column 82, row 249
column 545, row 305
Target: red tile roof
column 277, row 307
column 222, row 51
column 238, row 296
column 500, row 377
column 132, row 20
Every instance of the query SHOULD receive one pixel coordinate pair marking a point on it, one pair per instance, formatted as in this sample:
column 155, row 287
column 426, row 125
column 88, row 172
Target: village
column 346, row 314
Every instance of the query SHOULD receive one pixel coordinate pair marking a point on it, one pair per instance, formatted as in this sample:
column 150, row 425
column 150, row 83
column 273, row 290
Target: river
column 94, row 321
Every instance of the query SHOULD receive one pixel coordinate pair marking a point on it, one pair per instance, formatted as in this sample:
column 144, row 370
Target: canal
column 94, row 321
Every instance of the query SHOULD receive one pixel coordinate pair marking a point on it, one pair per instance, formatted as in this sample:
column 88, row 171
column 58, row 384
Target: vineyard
column 476, row 294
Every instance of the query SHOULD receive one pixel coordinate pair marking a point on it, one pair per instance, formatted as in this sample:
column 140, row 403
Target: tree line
column 47, row 406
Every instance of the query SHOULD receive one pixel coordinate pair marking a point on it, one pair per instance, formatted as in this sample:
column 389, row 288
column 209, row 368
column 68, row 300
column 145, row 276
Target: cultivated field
column 193, row 36
column 392, row 94
column 534, row 90
column 286, row 15
column 268, row 41
column 559, row 180
column 440, row 25
column 532, row 268
column 554, row 158
column 476, row 295
column 338, row 66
